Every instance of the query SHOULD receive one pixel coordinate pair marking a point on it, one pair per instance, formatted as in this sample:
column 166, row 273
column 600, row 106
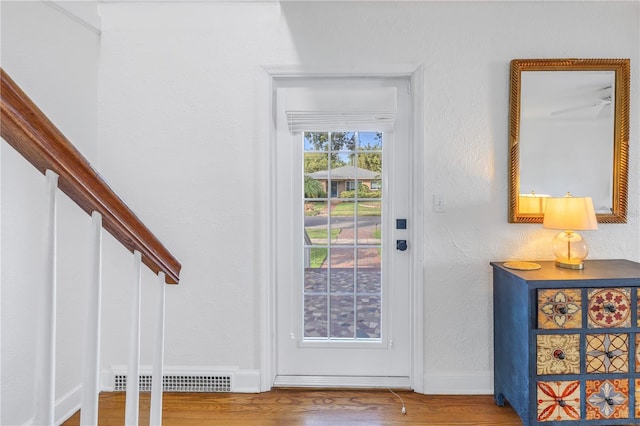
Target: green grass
column 318, row 233
column 364, row 209
column 314, row 208
column 317, row 257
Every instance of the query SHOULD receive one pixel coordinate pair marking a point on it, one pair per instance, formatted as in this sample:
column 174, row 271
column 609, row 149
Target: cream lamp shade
column 570, row 214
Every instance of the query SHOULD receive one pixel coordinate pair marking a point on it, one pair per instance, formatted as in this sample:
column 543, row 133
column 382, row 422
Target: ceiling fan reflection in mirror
column 600, row 107
column 596, row 104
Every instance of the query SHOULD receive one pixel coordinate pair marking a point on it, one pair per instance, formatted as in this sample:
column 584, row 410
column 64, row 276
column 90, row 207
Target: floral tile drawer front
column 559, row 308
column 558, row 354
column 637, row 353
column 607, row 399
column 558, row 401
column 607, row 353
column 609, row 307
column 637, row 398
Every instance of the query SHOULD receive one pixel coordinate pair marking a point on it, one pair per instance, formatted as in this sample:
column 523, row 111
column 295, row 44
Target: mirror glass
column 569, row 134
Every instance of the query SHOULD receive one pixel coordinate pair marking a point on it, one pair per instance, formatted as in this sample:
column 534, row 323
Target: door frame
column 266, row 318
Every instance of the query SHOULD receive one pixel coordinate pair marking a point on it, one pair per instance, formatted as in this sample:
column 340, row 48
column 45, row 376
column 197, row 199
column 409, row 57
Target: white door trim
column 267, row 222
column 417, row 229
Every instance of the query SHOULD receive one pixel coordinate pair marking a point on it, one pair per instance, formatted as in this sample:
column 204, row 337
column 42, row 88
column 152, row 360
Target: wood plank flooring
column 311, row 408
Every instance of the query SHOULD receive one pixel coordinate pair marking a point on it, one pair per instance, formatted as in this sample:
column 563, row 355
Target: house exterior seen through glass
column 342, row 207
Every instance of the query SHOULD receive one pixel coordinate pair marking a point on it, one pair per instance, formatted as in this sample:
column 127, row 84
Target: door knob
column 401, row 245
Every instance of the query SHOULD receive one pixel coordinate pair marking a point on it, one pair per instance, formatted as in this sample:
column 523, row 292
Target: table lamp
column 570, row 214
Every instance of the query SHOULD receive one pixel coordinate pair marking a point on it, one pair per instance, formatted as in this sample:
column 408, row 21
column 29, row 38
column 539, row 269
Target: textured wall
column 182, row 105
column 54, row 59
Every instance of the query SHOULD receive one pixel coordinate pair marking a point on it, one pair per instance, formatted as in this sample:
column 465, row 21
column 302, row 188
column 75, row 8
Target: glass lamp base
column 570, row 250
column 570, row 263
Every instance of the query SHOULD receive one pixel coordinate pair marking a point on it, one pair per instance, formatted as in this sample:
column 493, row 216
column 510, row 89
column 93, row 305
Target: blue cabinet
column 567, row 343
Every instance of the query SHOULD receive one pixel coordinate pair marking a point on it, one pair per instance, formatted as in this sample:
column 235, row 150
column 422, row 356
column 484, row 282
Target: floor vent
column 180, row 383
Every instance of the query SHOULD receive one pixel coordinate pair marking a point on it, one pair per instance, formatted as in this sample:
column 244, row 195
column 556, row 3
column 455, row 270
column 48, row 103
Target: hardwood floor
column 311, row 408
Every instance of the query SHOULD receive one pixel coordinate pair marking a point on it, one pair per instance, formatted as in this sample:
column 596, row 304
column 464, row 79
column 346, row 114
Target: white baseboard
column 246, row 381
column 68, row 404
column 342, row 382
column 65, row 407
column 242, row 381
column 437, row 383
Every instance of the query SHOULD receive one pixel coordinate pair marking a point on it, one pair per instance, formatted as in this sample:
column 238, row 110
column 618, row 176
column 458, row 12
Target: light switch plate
column 439, row 204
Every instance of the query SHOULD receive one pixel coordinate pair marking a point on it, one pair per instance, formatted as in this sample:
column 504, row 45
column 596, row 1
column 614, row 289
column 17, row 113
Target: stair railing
column 26, row 128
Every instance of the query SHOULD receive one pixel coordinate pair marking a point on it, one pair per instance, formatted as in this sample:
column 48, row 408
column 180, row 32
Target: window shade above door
column 322, row 110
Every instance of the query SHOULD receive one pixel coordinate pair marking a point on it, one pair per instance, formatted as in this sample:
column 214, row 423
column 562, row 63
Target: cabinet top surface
column 593, row 270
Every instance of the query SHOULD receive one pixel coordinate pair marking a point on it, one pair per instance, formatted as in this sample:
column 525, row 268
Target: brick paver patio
column 343, row 300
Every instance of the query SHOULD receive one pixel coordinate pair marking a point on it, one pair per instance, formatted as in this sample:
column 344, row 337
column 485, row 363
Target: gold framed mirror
column 568, row 132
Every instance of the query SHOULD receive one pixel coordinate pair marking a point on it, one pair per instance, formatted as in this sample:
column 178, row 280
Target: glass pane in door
column 342, row 208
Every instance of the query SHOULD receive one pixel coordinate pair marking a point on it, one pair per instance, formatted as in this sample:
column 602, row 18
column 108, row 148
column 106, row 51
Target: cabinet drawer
column 557, row 354
column 558, row 401
column 638, row 353
column 607, row 353
column 637, row 399
column 559, row 308
column 609, row 307
column 607, row 399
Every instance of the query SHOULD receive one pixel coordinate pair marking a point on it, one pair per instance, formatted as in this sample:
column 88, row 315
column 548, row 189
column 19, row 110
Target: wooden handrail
column 25, row 127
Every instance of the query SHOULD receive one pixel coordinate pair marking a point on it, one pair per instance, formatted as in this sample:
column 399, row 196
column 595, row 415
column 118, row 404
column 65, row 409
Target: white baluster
column 155, row 418
column 133, row 386
column 46, row 345
column 90, row 384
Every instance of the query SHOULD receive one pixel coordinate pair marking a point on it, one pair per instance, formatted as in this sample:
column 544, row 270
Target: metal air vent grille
column 179, row 383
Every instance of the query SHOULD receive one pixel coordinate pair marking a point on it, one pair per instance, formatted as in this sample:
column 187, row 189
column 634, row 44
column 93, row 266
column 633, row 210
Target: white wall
column 183, row 108
column 183, row 112
column 54, row 59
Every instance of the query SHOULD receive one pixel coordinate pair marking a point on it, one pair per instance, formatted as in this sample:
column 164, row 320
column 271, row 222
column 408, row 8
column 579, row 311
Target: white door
column 343, row 290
